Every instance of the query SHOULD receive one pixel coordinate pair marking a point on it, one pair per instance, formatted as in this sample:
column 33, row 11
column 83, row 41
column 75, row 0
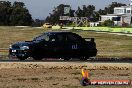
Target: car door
column 73, row 45
column 56, row 45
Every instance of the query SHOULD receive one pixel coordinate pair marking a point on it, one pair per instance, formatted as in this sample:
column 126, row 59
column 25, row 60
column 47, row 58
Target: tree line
column 14, row 14
column 88, row 11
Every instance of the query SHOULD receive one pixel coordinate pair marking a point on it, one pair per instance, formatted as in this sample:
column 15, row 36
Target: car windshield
column 42, row 37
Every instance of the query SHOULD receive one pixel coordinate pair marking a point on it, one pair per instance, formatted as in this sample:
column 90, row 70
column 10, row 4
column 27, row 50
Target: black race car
column 64, row 45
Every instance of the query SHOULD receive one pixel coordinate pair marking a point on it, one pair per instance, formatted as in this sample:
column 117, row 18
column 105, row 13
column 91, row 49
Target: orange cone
column 85, row 73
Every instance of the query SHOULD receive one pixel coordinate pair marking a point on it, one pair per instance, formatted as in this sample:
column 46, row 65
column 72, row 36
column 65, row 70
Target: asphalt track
column 92, row 60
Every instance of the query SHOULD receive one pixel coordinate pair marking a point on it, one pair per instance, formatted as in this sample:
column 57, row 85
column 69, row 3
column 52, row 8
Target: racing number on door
column 75, row 46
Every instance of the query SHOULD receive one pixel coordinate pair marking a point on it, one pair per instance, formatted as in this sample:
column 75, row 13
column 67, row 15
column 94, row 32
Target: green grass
column 108, row 45
column 111, row 45
column 121, row 29
column 11, row 35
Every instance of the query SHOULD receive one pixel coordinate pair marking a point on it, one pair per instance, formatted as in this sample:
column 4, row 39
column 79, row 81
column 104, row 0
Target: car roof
column 58, row 32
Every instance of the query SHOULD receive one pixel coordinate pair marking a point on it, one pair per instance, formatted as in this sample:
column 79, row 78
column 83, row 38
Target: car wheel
column 83, row 58
column 21, row 58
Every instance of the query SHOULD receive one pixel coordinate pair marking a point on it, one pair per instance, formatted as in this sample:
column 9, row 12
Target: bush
column 108, row 23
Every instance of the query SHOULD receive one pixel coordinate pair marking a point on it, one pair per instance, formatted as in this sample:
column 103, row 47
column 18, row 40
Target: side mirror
column 52, row 40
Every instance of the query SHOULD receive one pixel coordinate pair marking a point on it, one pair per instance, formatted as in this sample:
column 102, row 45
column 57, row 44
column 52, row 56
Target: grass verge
column 108, row 45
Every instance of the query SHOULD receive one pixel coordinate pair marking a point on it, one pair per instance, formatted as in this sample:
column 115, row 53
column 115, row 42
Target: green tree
column 108, row 23
column 79, row 12
column 110, row 9
column 88, row 11
column 102, row 12
column 15, row 14
column 5, row 12
column 37, row 23
column 20, row 15
column 85, row 11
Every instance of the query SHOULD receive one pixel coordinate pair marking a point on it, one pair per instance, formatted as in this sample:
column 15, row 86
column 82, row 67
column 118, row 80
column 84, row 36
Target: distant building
column 92, row 24
column 122, row 15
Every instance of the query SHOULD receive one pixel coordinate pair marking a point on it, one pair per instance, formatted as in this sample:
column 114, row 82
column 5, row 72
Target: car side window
column 52, row 39
column 60, row 37
column 73, row 37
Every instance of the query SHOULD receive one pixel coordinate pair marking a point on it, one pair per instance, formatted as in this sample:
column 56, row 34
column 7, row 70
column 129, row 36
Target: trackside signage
column 86, row 81
column 110, row 82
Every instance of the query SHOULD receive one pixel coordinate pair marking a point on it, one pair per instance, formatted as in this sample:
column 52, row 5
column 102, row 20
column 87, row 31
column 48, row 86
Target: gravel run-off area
column 60, row 74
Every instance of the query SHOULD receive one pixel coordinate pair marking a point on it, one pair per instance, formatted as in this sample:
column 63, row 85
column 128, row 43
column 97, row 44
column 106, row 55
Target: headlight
column 24, row 47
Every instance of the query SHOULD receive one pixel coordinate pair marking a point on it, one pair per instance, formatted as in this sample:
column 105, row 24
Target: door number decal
column 74, row 46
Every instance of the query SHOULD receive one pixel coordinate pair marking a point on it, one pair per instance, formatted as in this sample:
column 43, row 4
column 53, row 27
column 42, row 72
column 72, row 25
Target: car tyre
column 83, row 58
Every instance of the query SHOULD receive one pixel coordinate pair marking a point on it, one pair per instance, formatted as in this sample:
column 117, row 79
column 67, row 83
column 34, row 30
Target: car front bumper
column 18, row 52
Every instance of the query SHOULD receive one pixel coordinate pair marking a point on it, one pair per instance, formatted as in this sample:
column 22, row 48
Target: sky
column 40, row 9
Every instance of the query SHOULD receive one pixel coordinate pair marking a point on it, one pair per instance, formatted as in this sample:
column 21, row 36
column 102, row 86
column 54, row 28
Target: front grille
column 17, row 52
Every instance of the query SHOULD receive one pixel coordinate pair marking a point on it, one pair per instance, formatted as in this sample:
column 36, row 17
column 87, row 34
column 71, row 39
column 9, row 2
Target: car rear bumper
column 92, row 53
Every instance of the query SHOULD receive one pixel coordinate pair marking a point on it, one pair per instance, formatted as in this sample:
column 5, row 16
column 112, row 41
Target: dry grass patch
column 108, row 45
column 40, row 74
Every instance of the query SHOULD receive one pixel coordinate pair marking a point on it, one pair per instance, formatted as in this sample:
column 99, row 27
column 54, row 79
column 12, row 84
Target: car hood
column 24, row 43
